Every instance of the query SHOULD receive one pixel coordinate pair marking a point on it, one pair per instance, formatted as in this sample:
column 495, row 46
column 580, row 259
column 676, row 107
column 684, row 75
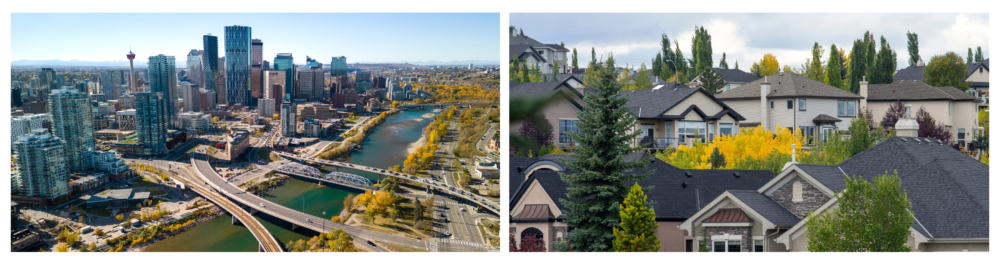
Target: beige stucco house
column 978, row 79
column 949, row 192
column 532, row 51
column 793, row 101
column 536, row 190
column 956, row 109
column 734, row 78
column 669, row 114
column 567, row 100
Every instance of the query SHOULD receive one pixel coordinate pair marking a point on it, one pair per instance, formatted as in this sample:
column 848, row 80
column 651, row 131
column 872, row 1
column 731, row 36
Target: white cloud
column 966, row 32
column 618, row 49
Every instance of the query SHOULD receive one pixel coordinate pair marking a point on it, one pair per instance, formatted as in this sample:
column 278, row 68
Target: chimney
column 793, row 160
column 863, row 91
column 920, row 62
column 907, row 126
column 765, row 87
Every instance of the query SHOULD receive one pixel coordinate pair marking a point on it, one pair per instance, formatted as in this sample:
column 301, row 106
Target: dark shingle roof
column 557, row 47
column 524, row 40
column 535, row 89
column 675, row 195
column 949, row 190
column 909, row 73
column 825, row 118
column 522, row 52
column 829, row 175
column 735, row 75
column 766, row 207
column 788, row 85
column 914, row 90
column 649, row 103
column 973, row 66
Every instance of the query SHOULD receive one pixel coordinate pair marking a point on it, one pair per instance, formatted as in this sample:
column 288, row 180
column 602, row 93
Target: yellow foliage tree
column 753, row 148
column 769, row 65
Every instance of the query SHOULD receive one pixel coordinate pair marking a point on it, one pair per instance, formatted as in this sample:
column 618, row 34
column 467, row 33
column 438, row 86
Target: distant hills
column 142, row 64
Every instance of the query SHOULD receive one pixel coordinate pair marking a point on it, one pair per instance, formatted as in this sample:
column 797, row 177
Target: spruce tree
column 638, row 225
column 575, row 65
column 968, row 60
column 718, row 159
column 722, row 63
column 979, row 54
column 912, row 48
column 857, row 66
column 606, row 133
column 833, row 77
column 712, row 81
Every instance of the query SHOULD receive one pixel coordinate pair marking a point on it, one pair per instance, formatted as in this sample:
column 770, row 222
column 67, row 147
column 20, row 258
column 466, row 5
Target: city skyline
column 368, row 38
column 635, row 38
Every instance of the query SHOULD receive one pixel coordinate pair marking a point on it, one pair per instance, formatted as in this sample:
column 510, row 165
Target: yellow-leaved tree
column 753, row 149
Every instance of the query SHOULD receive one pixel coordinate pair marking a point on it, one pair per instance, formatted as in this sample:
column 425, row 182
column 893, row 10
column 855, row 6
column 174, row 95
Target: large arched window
column 531, row 231
column 531, row 240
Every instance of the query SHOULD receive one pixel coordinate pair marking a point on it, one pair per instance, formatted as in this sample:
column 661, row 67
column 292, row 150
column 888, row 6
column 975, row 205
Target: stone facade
column 812, row 197
column 746, row 243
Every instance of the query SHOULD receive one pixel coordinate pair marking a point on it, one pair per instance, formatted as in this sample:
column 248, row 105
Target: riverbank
column 269, row 183
column 412, row 148
column 138, row 240
column 354, row 136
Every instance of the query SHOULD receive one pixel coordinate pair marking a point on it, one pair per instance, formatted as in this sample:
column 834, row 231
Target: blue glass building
column 238, row 75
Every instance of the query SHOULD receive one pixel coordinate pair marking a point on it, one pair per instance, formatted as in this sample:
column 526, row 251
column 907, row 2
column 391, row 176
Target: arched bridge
column 339, row 178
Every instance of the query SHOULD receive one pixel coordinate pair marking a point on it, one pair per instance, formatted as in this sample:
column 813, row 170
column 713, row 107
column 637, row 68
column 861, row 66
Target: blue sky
column 746, row 37
column 361, row 37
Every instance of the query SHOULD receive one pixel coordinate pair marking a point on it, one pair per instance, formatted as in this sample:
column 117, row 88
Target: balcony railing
column 659, row 143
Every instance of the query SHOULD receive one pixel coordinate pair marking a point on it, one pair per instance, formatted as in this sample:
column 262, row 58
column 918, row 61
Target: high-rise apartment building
column 151, row 122
column 47, row 82
column 195, row 71
column 265, row 107
column 283, row 62
column 192, row 97
column 162, row 79
column 288, row 122
column 338, row 67
column 220, row 83
column 111, row 83
column 257, row 68
column 238, row 74
column 24, row 125
column 73, row 121
column 210, row 45
column 207, row 99
column 311, row 83
column 42, row 168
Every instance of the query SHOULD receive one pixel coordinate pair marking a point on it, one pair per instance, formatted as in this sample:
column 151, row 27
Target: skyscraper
column 338, row 67
column 192, row 97
column 211, row 47
column 24, row 125
column 131, row 72
column 238, row 75
column 220, row 82
column 274, row 81
column 151, row 122
column 311, row 83
column 111, row 83
column 195, row 72
column 288, row 122
column 163, row 79
column 256, row 66
column 283, row 61
column 47, row 83
column 73, row 121
column 42, row 169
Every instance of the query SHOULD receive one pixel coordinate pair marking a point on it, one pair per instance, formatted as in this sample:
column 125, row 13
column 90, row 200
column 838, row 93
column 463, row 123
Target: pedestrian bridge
column 338, row 178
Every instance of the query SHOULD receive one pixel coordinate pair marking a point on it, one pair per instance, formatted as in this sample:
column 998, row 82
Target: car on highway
column 262, row 205
column 370, row 243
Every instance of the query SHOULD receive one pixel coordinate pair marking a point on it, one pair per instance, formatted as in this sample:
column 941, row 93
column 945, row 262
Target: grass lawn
column 265, row 154
column 398, row 248
column 146, row 182
column 482, row 231
column 156, row 192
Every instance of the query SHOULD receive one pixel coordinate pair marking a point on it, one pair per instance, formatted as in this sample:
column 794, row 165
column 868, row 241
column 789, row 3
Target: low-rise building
column 89, row 182
column 125, row 119
column 117, row 198
column 313, row 128
column 194, row 120
column 110, row 163
column 316, row 111
column 237, row 143
column 112, row 135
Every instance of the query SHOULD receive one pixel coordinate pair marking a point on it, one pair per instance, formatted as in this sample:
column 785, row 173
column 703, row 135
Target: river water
column 385, row 146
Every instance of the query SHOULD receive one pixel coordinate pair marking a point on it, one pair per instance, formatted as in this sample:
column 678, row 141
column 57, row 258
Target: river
column 385, row 146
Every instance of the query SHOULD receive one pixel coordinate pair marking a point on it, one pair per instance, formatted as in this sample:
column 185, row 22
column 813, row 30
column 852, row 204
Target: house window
column 711, row 132
column 802, row 104
column 542, row 52
column 758, row 245
column 668, row 129
column 809, row 132
column 728, row 87
column 734, row 246
column 772, row 104
column 846, row 108
column 566, row 126
column 688, row 245
column 789, row 103
column 827, row 133
column 687, row 128
column 949, row 108
column 725, row 129
column 719, row 246
column 797, row 191
column 961, row 134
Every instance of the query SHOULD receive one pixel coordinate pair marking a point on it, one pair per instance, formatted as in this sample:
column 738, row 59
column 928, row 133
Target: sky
column 360, row 37
column 745, row 38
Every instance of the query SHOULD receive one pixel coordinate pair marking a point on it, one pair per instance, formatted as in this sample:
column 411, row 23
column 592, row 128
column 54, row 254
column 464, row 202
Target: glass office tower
column 238, row 75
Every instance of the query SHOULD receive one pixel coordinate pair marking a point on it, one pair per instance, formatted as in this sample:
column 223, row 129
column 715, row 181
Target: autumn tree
column 768, row 65
column 946, row 70
column 604, row 138
column 930, row 128
column 638, row 224
column 815, row 69
column 642, row 80
column 537, row 131
column 871, row 216
column 895, row 112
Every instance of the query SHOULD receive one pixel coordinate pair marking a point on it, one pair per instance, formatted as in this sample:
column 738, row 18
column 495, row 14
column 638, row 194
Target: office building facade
column 238, row 71
column 283, row 62
column 210, row 46
column 162, row 79
column 195, row 71
column 338, row 66
column 192, row 97
column 151, row 122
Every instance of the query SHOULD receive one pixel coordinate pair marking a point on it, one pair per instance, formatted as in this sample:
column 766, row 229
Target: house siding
column 780, row 115
column 812, row 197
column 671, row 238
column 815, row 107
column 748, row 108
column 706, row 104
column 964, row 114
column 556, row 110
column 976, row 76
column 746, row 242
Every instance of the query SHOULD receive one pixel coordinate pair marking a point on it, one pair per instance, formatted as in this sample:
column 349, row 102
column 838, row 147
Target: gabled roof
column 910, row 90
column 675, row 195
column 829, row 175
column 534, row 212
column 766, row 207
column 949, row 190
column 787, row 85
column 524, row 40
column 557, row 47
column 973, row 66
column 909, row 73
column 651, row 103
column 825, row 118
column 524, row 51
column 735, row 75
column 728, row 216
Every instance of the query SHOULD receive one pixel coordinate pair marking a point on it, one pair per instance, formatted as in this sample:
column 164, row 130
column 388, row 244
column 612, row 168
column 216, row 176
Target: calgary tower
column 131, row 71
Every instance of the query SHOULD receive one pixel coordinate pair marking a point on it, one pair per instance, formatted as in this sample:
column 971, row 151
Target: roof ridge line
column 939, row 90
column 964, row 191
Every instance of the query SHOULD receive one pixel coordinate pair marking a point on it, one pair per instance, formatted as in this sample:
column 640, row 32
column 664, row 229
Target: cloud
column 966, row 32
column 618, row 49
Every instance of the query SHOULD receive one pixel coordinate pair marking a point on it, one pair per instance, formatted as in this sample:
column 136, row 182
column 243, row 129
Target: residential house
column 978, row 78
column 561, row 111
column 669, row 114
column 536, row 190
column 956, row 109
column 532, row 51
column 793, row 101
column 734, row 78
column 949, row 192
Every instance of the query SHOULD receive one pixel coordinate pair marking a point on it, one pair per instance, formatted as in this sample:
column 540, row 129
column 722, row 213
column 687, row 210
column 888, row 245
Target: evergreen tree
column 870, row 54
column 885, row 65
column 515, row 70
column 718, row 159
column 736, row 65
column 521, row 32
column 561, row 44
column 857, row 66
column 512, row 29
column 833, row 77
column 872, row 216
column 657, row 63
column 979, row 54
column 606, row 132
column 669, row 63
column 968, row 60
column 946, row 70
column 712, row 81
column 575, row 65
column 722, row 63
column 755, row 70
column 638, row 225
column 815, row 70
column 682, row 72
column 701, row 50
column 912, row 48
column 593, row 57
